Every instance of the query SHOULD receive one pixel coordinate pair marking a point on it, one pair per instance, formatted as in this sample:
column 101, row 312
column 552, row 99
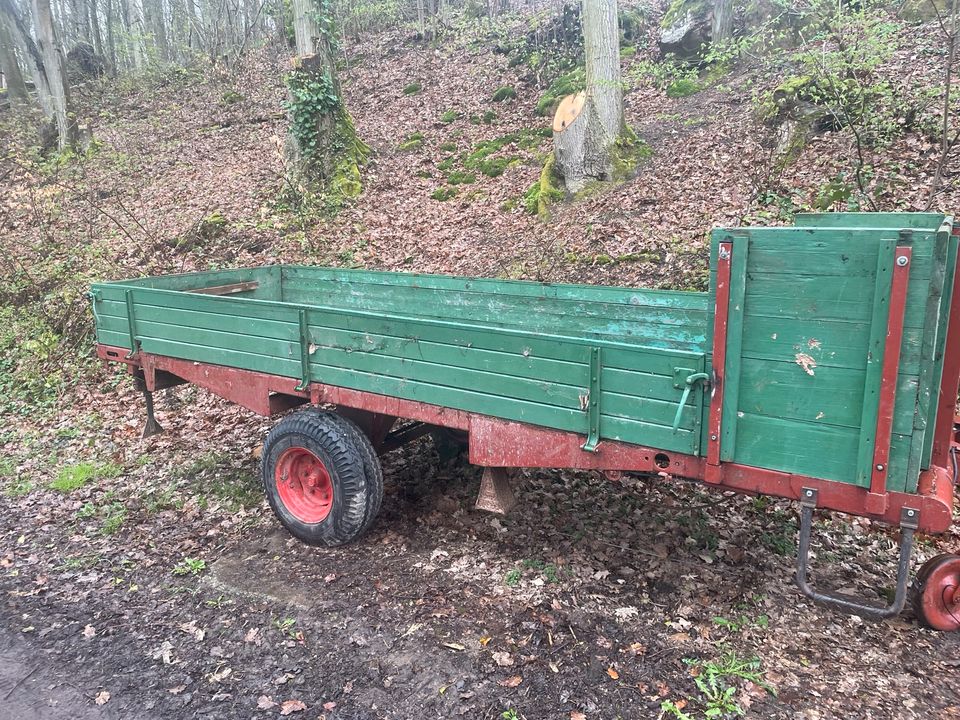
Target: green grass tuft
column 74, row 477
column 505, row 93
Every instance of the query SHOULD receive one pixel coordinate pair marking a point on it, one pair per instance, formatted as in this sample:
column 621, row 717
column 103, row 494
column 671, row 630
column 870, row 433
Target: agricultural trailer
column 821, row 366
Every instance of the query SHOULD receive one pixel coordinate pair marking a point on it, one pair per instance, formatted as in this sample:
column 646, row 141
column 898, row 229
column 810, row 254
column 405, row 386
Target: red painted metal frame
column 877, row 497
column 720, row 320
column 502, row 443
column 943, row 430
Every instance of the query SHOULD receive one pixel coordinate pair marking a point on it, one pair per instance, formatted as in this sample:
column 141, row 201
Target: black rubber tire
column 325, row 436
column 372, row 468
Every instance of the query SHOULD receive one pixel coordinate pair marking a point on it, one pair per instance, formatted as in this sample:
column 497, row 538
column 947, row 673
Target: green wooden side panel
column 520, row 375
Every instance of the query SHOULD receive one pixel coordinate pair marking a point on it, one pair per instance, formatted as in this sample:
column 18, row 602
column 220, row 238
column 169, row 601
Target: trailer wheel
column 936, row 593
column 372, row 469
column 315, row 480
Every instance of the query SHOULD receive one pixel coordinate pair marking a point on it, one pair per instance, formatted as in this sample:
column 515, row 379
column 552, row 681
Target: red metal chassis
column 500, row 443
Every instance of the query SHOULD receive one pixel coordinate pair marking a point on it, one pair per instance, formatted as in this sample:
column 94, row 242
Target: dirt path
column 34, row 687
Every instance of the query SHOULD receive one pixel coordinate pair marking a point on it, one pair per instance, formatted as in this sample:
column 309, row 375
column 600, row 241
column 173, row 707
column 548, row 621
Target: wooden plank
column 641, row 433
column 927, row 385
column 894, row 221
column 231, row 289
column 950, row 280
column 875, row 352
column 832, row 396
column 828, row 344
column 499, row 287
column 734, row 349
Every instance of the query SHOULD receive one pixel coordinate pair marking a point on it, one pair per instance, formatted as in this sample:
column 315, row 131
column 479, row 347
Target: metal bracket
column 593, row 403
column 94, row 296
column 909, row 521
column 131, row 325
column 304, row 352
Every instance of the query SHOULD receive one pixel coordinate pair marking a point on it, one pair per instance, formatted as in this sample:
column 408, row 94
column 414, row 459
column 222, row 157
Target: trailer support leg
column 496, row 495
column 152, row 427
column 909, row 520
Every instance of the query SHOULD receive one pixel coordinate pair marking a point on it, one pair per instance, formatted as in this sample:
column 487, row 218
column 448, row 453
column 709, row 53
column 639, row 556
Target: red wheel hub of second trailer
column 939, row 588
column 304, row 485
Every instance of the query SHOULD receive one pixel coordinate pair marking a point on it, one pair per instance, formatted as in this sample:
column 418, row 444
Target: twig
column 20, row 682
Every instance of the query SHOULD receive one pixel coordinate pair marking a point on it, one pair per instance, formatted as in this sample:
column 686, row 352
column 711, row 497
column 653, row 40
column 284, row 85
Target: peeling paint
column 820, row 415
column 813, row 343
column 806, row 362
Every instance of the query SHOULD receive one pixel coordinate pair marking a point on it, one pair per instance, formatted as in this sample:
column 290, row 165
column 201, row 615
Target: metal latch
column 688, row 384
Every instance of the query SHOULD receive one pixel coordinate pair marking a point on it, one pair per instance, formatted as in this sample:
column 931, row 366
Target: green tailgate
column 806, row 340
column 519, row 351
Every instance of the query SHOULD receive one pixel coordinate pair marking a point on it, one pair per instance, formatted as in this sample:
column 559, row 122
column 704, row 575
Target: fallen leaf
column 503, row 659
column 89, row 631
column 102, row 698
column 613, row 673
column 454, row 646
column 251, row 635
column 219, row 675
column 485, row 640
column 511, row 682
column 176, row 690
column 288, row 707
column 577, row 715
column 265, row 702
column 329, row 705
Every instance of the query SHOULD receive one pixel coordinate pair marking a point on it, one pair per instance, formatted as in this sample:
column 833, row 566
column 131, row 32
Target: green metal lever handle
column 688, row 386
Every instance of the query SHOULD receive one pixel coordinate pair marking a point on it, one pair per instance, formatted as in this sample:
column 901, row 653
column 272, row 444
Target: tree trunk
column 722, row 26
column 95, row 27
column 305, row 29
column 585, row 146
column 10, row 65
column 55, row 66
column 322, row 144
column 138, row 34
column 111, row 41
column 20, row 29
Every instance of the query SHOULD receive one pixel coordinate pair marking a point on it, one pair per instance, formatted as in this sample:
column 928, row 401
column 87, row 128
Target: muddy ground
column 591, row 597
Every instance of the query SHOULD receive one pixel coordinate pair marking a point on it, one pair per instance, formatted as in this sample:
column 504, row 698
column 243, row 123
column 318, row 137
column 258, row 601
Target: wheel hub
column 304, row 485
column 938, row 583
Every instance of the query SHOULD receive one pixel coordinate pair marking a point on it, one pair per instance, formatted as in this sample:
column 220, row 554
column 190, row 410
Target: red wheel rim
column 940, row 593
column 304, row 485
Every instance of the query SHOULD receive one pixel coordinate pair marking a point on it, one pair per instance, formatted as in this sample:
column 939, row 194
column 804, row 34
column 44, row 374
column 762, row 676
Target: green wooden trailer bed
column 822, row 365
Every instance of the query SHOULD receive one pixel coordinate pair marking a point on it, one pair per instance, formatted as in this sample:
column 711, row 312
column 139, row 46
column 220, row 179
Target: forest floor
column 147, row 578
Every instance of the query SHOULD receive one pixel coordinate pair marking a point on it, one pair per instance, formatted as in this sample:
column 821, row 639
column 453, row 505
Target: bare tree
column 951, row 29
column 54, row 66
column 10, row 65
